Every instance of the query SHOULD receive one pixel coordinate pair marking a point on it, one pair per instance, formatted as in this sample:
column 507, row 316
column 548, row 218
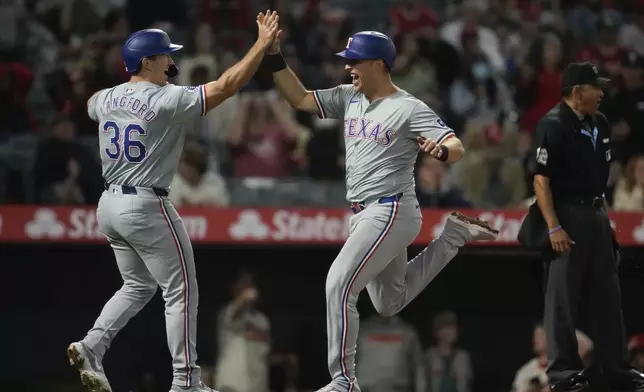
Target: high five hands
column 274, row 46
column 267, row 28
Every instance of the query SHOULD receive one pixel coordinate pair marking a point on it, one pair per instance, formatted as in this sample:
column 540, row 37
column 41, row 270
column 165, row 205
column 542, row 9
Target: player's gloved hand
column 267, row 26
column 429, row 146
column 560, row 241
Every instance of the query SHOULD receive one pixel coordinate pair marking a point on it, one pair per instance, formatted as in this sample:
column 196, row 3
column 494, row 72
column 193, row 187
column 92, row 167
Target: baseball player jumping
column 384, row 128
column 141, row 136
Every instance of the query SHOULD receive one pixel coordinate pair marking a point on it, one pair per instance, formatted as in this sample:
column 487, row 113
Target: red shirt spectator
column 607, row 54
column 226, row 14
column 15, row 82
column 410, row 16
column 263, row 155
column 547, row 95
column 607, row 58
column 540, row 86
column 263, row 138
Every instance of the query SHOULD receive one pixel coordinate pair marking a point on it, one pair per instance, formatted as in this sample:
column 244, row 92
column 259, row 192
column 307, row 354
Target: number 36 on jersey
column 125, row 140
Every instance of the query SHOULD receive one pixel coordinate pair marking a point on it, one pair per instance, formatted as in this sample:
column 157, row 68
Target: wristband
column 444, row 153
column 556, row 229
column 275, row 62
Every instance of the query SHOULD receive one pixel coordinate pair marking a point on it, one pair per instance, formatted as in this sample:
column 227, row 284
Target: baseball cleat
column 477, row 230
column 91, row 371
column 199, row 388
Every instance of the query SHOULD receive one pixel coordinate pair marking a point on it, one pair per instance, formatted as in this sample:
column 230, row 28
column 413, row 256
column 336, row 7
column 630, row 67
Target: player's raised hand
column 268, row 26
column 275, row 45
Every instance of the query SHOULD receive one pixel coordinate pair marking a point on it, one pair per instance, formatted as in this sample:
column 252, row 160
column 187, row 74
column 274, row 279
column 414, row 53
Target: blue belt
column 360, row 205
column 131, row 190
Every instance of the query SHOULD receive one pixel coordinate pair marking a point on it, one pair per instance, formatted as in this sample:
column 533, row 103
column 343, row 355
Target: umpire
column 572, row 151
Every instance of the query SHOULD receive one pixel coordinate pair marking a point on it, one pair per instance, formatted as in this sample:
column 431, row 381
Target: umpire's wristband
column 444, row 153
column 275, row 62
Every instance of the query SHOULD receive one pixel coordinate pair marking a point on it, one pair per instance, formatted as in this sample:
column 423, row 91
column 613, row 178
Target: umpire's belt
column 131, row 190
column 592, row 202
column 360, row 205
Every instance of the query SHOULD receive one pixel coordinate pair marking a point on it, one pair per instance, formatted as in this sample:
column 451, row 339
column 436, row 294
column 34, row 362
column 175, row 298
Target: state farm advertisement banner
column 263, row 225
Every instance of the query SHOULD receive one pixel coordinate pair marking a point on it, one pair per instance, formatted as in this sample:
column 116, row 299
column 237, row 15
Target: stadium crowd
column 490, row 68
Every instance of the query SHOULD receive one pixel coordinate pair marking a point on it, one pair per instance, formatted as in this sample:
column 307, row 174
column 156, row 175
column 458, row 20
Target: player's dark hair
column 567, row 92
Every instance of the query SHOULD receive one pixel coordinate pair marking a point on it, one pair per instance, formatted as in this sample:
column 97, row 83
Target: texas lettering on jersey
column 367, row 129
column 380, row 138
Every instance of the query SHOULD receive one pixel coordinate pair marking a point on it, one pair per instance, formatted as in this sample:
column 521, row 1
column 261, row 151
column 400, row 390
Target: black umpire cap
column 632, row 60
column 577, row 74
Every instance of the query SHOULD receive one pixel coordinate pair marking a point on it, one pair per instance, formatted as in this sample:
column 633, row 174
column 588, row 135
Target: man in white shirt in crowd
column 390, row 356
column 195, row 185
column 244, row 342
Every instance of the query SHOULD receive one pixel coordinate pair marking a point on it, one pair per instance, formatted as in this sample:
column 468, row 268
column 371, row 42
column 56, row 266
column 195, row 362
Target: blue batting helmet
column 370, row 45
column 146, row 43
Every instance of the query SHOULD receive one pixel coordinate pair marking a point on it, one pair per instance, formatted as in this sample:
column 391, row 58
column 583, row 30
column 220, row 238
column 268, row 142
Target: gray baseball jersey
column 141, row 139
column 381, row 151
column 380, row 138
column 141, row 131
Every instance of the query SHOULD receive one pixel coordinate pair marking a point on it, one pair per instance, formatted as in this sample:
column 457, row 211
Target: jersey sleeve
column 92, row 105
column 546, row 148
column 332, row 102
column 186, row 101
column 426, row 123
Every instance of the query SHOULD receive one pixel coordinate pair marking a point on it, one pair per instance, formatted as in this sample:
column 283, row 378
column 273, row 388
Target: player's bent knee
column 140, row 290
column 386, row 310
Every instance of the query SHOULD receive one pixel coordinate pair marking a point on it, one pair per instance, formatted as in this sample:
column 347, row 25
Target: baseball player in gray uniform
column 141, row 133
column 384, row 129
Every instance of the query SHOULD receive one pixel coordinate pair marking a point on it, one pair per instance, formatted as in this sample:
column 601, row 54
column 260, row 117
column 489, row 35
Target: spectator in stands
column 145, row 14
column 244, row 341
column 265, row 139
column 532, row 377
column 65, row 171
column 492, row 178
column 433, row 188
column 636, row 351
column 111, row 71
column 195, row 185
column 16, row 80
column 226, row 15
column 217, row 121
column 325, row 150
column 200, row 53
column 473, row 95
column 450, row 368
column 390, row 358
column 539, row 86
column 606, row 53
column 116, row 25
column 412, row 71
column 441, row 55
column 627, row 114
column 486, row 39
column 629, row 192
column 411, row 18
column 631, row 36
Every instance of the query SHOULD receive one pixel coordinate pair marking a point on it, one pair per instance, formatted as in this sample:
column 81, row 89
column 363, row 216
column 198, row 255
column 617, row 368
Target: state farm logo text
column 82, row 224
column 290, row 226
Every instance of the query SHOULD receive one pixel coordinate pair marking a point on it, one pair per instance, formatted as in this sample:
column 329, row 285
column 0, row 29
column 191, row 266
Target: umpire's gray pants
column 152, row 248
